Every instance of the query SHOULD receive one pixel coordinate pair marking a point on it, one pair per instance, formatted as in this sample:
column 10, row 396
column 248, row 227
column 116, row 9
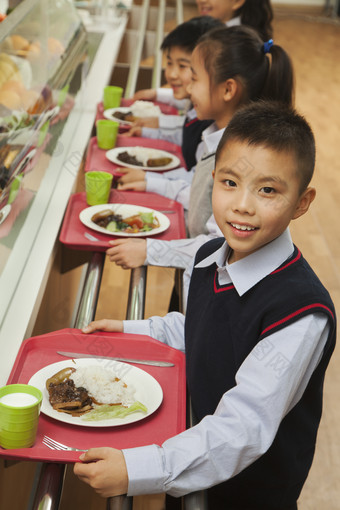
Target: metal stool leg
column 119, row 503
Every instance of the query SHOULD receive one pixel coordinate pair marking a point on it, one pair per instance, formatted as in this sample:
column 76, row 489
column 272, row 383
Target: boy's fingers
column 101, row 324
column 93, row 454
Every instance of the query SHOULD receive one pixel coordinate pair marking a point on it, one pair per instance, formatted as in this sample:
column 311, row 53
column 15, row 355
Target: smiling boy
column 258, row 336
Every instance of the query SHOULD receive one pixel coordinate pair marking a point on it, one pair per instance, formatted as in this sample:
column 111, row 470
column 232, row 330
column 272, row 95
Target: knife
column 154, row 363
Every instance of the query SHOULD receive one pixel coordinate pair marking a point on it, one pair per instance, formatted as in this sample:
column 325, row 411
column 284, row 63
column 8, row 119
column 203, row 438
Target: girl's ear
column 237, row 4
column 304, row 202
column 232, row 89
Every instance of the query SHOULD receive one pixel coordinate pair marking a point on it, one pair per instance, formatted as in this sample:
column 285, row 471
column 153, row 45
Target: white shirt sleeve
column 179, row 252
column 168, row 329
column 269, row 383
column 166, row 95
column 170, row 129
column 178, row 189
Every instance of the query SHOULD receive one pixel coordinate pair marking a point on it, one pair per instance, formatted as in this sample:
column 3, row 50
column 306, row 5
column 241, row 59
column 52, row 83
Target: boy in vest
column 258, row 336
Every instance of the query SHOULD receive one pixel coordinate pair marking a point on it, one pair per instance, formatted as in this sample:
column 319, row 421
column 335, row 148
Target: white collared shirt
column 218, row 447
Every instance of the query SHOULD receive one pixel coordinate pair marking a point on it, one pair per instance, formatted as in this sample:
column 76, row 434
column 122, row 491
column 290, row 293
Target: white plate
column 110, row 114
column 148, row 390
column 124, row 210
column 4, row 212
column 139, row 109
column 143, row 153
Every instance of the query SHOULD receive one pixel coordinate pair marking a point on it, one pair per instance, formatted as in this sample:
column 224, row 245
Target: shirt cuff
column 145, row 470
column 164, row 94
column 148, row 132
column 139, row 327
column 155, row 184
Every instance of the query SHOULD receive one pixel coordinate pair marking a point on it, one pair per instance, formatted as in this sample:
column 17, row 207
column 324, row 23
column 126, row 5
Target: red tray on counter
column 166, row 109
column 72, row 230
column 96, row 159
column 169, row 419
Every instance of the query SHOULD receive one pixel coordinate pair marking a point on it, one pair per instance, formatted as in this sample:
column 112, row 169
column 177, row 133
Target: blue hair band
column 267, row 46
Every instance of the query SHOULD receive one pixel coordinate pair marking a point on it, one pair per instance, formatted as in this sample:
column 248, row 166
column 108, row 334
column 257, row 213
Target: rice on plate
column 103, row 385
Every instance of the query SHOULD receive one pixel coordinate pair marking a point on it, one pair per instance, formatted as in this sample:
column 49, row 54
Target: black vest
column 192, row 136
column 221, row 329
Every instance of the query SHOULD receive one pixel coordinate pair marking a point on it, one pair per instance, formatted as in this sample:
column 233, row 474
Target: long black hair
column 257, row 14
column 187, row 34
column 265, row 71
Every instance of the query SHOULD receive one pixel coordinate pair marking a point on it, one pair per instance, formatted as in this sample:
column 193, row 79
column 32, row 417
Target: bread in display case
column 43, row 61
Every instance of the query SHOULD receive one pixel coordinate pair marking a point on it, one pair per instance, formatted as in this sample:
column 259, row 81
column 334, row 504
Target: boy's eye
column 229, row 183
column 267, row 190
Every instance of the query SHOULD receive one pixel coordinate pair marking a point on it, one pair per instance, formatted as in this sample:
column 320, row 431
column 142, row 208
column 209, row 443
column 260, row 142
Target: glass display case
column 43, row 59
column 52, row 73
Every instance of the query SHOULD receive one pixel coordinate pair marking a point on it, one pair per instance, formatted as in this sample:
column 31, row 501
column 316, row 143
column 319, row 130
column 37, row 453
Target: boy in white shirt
column 258, row 335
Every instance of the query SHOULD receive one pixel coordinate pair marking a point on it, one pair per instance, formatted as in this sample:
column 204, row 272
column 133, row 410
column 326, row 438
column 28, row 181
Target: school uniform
column 273, row 379
column 196, row 200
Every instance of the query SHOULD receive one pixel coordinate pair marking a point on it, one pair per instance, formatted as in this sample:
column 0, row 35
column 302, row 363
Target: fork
column 54, row 445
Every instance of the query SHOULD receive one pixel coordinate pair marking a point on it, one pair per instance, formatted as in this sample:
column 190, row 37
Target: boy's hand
column 150, row 122
column 104, row 325
column 104, row 469
column 131, row 175
column 132, row 186
column 134, row 131
column 127, row 253
column 147, row 94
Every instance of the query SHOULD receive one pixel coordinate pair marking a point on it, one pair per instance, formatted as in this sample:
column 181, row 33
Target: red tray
column 96, row 159
column 72, row 230
column 169, row 419
column 165, row 108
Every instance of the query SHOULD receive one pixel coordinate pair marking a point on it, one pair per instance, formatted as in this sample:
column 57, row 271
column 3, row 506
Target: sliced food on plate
column 145, row 158
column 130, row 114
column 92, row 390
column 124, row 220
column 141, row 222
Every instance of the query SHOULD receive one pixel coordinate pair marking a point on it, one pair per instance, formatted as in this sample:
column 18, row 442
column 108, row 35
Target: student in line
column 257, row 14
column 230, row 68
column 184, row 130
column 258, row 335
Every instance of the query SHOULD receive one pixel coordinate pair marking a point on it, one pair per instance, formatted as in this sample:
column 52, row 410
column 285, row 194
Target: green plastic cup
column 14, row 189
column 19, row 415
column 112, row 96
column 107, row 131
column 98, row 186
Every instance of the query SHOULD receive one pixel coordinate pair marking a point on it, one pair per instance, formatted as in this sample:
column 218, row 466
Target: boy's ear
column 304, row 202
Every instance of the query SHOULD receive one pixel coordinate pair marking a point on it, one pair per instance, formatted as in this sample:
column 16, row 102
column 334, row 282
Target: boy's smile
column 255, row 196
column 178, row 71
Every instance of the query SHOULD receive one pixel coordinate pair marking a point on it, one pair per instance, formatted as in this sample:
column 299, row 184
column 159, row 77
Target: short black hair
column 277, row 127
column 187, row 34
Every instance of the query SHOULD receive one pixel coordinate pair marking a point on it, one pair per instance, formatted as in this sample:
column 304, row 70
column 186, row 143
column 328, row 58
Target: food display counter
column 53, row 74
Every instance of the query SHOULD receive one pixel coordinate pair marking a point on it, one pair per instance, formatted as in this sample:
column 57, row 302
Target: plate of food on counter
column 129, row 114
column 124, row 220
column 143, row 158
column 97, row 392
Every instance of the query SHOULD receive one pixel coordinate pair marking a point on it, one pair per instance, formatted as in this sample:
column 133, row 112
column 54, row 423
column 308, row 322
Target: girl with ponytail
column 231, row 67
column 257, row 14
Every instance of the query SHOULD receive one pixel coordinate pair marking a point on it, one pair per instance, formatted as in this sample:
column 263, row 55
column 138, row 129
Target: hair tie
column 267, row 46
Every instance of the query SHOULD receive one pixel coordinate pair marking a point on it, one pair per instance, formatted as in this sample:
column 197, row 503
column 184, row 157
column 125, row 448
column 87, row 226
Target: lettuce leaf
column 106, row 411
